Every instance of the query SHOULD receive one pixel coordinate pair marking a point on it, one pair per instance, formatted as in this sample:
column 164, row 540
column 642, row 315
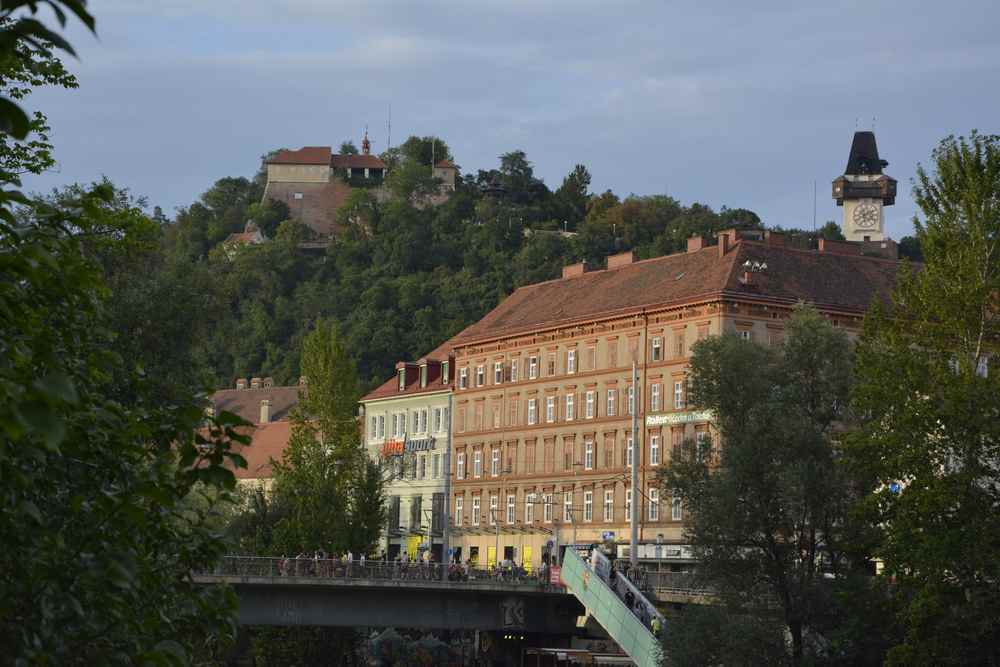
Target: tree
column 34, row 65
column 931, row 440
column 572, row 196
column 348, row 148
column 767, row 511
column 323, row 483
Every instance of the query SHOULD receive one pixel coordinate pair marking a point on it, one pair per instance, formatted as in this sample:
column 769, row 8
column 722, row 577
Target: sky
column 738, row 104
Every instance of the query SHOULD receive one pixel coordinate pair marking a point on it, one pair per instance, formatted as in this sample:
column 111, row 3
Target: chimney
column 265, row 411
column 574, row 270
column 241, row 383
column 696, row 243
column 723, row 244
column 268, row 383
column 303, row 381
column 621, row 259
column 255, row 383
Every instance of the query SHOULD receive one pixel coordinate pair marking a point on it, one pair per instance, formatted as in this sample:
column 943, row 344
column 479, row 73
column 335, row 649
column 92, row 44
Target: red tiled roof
column 824, row 279
column 306, row 155
column 390, row 388
column 246, row 402
column 268, row 442
column 446, row 164
column 359, row 161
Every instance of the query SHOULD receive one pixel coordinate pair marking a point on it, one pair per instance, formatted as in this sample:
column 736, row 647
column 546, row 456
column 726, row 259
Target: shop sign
column 400, row 447
column 679, row 418
column 392, row 448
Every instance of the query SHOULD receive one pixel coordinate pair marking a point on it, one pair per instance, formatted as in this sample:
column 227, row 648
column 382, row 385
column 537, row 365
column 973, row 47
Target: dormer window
column 444, row 372
column 423, row 376
column 402, row 379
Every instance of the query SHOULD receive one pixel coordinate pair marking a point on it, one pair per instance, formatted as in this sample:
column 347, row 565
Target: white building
column 407, row 429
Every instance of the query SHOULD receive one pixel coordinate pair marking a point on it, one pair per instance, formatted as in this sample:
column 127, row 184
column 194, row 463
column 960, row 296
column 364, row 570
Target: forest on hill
column 399, row 281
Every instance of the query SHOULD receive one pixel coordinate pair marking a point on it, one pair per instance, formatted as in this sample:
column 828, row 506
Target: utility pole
column 445, row 559
column 634, row 519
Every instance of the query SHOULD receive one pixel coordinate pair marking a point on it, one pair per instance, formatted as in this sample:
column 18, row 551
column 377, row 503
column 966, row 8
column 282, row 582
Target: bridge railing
column 674, row 582
column 342, row 569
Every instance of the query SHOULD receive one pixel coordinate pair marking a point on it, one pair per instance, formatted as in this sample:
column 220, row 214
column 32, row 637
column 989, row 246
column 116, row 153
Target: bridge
column 273, row 591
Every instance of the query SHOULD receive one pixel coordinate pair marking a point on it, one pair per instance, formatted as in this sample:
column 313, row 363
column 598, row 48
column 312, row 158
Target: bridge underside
column 272, row 602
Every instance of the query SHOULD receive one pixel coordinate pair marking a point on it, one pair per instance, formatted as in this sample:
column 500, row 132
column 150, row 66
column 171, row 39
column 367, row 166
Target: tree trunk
column 795, row 629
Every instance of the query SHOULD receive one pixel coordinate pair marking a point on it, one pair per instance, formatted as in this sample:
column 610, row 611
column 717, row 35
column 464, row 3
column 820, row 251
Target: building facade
column 407, row 423
column 543, row 441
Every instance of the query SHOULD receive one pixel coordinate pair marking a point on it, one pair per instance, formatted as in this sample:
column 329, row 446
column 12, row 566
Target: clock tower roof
column 864, row 159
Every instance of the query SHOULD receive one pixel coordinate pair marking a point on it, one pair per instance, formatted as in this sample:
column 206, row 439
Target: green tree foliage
column 348, row 148
column 932, row 438
column 572, row 196
column 329, row 494
column 767, row 509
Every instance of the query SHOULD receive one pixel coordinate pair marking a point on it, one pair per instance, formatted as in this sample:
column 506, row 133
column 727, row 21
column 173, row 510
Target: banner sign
column 679, row 418
column 400, row 447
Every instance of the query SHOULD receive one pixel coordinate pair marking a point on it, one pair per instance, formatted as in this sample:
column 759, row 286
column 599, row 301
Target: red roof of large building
column 308, row 155
column 390, row 388
column 825, row 279
column 267, row 444
column 359, row 161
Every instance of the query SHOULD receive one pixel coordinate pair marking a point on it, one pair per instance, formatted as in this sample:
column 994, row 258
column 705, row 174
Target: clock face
column 866, row 216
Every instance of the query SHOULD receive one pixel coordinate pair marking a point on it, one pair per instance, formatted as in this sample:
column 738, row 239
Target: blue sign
column 608, row 535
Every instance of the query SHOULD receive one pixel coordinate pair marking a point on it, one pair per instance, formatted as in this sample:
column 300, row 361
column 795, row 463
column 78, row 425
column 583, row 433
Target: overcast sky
column 743, row 104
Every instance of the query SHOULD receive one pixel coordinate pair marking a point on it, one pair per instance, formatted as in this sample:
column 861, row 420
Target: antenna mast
column 388, row 129
column 814, row 204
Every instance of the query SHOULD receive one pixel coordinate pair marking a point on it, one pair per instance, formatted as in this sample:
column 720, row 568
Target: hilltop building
column 863, row 190
column 314, row 182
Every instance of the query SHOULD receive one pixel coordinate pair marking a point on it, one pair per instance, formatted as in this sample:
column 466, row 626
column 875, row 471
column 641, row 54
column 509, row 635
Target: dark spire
column 864, row 156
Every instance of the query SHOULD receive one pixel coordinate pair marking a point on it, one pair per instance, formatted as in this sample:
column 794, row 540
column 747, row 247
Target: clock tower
column 864, row 190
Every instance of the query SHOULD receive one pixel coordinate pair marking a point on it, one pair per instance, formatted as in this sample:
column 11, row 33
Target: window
column 415, row 421
column 704, row 444
column 512, row 419
column 423, row 421
column 458, row 510
column 395, row 427
column 588, row 505
column 654, row 450
column 402, row 378
column 437, row 466
column 373, row 431
column 570, row 361
column 495, row 462
column 631, row 399
column 463, row 378
column 513, row 370
column 612, row 394
column 498, row 372
column 746, row 335
column 654, row 504
column 532, row 368
column 381, row 426
column 628, row 451
column 679, row 395
column 423, row 467
column 480, row 376
column 510, row 509
column 552, row 365
column 444, row 372
column 437, row 420
column 609, row 505
column 477, row 463
column 654, row 398
column 550, row 409
column 628, row 504
column 460, row 465
column 983, row 366
column 590, row 405
column 529, row 508
column 676, row 511
column 679, row 343
column 475, row 510
column 569, row 407
column 703, row 332
column 496, row 415
column 657, row 351
column 568, row 506
column 547, row 507
column 588, row 455
column 494, row 508
column 423, row 376
column 532, row 417
column 591, row 358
